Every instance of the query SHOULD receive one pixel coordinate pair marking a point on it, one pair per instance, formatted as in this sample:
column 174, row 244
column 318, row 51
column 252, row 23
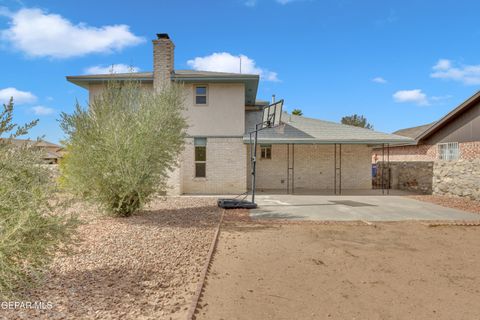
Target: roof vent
column 162, row 36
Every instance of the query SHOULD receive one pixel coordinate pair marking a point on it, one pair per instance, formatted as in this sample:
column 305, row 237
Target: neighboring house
column 51, row 154
column 301, row 154
column 455, row 136
column 445, row 158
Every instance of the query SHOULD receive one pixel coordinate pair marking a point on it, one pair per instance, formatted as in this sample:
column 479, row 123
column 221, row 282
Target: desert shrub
column 30, row 231
column 121, row 148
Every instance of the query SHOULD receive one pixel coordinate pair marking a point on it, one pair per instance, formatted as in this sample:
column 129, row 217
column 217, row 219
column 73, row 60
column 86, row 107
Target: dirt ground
column 351, row 270
column 143, row 267
column 460, row 203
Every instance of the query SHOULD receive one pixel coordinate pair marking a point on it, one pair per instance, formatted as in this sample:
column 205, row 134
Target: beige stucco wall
column 224, row 115
column 222, row 121
column 314, row 167
column 226, row 168
column 95, row 89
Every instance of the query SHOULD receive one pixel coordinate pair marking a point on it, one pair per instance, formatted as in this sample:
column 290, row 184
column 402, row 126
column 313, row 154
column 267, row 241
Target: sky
column 398, row 63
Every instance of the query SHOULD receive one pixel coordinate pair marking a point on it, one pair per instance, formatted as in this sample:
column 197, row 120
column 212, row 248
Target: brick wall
column 226, row 171
column 313, row 168
column 468, row 150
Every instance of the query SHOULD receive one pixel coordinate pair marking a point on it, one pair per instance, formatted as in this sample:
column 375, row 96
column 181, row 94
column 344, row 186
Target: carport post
column 388, row 168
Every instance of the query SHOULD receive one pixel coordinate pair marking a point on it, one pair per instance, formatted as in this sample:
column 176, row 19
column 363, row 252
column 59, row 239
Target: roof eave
column 391, row 143
column 467, row 103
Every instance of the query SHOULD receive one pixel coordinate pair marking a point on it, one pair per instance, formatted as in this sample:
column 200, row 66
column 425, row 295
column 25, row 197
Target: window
column 448, row 151
column 266, row 151
column 200, row 157
column 201, row 95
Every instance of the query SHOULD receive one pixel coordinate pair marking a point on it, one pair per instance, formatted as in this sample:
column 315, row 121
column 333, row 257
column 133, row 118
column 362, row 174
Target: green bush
column 30, row 231
column 120, row 149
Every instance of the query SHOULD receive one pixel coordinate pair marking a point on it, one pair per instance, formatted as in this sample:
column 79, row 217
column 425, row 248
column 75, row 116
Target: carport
column 305, row 155
column 371, row 206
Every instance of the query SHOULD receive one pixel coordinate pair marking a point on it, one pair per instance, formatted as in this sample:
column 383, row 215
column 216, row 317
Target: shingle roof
column 199, row 73
column 413, row 132
column 299, row 129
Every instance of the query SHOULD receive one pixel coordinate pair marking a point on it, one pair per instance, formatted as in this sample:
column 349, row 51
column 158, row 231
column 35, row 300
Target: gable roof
column 413, row 132
column 303, row 130
column 187, row 76
column 470, row 102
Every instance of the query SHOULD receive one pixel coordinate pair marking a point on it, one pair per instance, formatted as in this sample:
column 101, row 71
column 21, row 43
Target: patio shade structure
column 299, row 130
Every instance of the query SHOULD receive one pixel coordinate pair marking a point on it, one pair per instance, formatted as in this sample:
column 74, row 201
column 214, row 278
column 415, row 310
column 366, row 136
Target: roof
column 187, row 76
column 85, row 80
column 470, row 102
column 36, row 143
column 299, row 129
column 413, row 132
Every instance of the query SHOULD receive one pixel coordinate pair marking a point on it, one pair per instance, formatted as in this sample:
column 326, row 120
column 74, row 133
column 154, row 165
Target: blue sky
column 399, row 63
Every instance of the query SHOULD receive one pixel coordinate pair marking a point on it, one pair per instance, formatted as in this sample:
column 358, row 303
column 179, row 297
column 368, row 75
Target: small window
column 266, row 151
column 448, row 151
column 200, row 157
column 201, row 95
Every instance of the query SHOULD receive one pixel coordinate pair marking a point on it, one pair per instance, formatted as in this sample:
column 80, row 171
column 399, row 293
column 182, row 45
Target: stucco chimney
column 163, row 60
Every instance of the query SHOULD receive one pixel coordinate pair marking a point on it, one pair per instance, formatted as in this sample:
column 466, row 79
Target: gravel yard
column 464, row 204
column 143, row 267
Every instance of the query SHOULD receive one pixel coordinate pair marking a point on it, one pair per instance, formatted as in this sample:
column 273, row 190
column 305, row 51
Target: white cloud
column 19, row 97
column 441, row 98
column 284, row 2
column 250, row 3
column 414, row 96
column 41, row 34
column 379, row 80
column 115, row 68
column 467, row 74
column 226, row 62
column 42, row 111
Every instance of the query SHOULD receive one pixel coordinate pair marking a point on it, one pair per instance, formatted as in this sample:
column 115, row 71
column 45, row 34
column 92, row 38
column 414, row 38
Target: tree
column 297, row 112
column 357, row 121
column 31, row 231
column 121, row 148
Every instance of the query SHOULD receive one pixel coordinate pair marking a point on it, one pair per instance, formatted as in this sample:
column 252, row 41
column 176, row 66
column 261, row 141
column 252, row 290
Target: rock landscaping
column 143, row 267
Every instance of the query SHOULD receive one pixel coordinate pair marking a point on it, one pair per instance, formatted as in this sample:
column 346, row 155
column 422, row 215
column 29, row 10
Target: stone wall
column 415, row 176
column 457, row 178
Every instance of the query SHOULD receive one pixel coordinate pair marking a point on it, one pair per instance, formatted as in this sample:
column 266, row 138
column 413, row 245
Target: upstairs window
column 200, row 157
column 201, row 95
column 266, row 151
column 448, row 151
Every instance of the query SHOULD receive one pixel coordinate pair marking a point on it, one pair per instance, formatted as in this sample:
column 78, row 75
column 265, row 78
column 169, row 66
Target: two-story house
column 300, row 155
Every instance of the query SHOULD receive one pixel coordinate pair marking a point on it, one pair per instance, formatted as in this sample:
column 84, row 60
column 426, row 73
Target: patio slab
column 352, row 208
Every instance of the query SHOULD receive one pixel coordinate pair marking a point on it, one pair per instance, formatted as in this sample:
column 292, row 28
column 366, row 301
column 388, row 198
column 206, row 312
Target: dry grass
column 143, row 267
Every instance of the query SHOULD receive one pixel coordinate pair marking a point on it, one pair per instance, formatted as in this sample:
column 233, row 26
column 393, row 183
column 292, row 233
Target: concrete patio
column 370, row 207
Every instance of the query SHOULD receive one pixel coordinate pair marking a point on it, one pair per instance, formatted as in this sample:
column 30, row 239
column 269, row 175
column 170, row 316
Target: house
column 445, row 158
column 300, row 155
column 51, row 153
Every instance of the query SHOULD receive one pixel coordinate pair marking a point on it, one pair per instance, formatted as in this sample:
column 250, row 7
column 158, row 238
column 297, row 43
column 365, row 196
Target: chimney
column 273, row 98
column 163, row 60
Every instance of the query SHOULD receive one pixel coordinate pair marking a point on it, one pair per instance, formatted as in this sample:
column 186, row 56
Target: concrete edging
column 203, row 277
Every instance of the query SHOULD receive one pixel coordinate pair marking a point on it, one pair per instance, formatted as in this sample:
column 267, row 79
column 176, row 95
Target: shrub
column 30, row 231
column 120, row 149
